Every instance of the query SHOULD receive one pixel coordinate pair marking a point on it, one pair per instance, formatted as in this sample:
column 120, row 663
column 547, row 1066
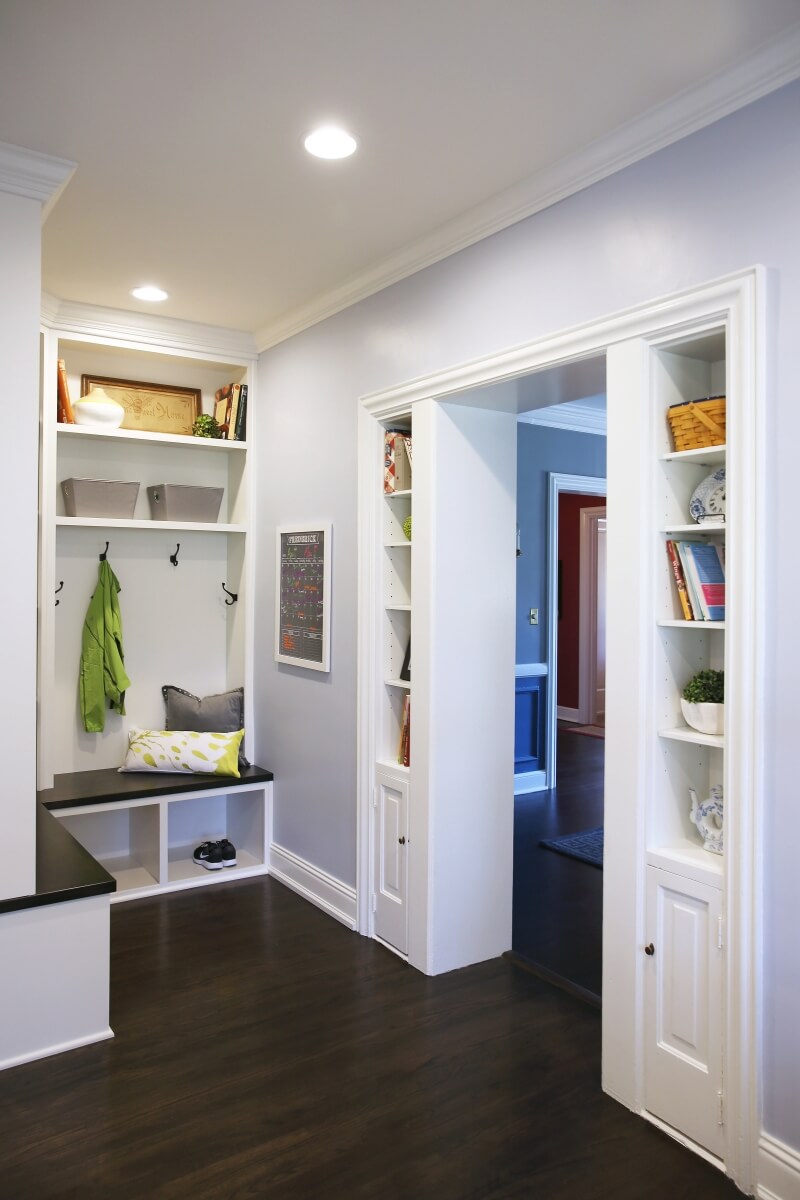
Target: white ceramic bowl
column 107, row 413
column 705, row 718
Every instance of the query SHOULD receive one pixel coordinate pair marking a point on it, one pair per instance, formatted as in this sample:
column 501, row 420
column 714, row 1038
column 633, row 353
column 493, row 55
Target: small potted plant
column 702, row 702
column 206, row 426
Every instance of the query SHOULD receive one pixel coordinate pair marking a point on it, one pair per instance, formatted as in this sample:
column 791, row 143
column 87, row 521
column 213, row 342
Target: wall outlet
column 534, row 616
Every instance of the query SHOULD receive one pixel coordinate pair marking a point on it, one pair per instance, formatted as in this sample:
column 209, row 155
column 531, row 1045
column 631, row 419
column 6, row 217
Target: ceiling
column 186, row 118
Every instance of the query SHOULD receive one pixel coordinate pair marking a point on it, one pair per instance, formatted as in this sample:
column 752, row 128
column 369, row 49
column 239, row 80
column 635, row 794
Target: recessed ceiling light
column 330, row 142
column 149, row 292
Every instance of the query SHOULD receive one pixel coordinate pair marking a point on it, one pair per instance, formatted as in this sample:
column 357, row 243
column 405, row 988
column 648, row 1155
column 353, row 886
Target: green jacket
column 102, row 668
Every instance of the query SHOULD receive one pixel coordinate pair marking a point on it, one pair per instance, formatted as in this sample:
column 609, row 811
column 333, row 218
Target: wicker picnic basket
column 697, row 423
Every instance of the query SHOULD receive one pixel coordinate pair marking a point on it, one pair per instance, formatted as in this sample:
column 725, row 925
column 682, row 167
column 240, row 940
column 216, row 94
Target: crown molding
column 147, row 331
column 577, row 417
column 36, row 176
column 774, row 65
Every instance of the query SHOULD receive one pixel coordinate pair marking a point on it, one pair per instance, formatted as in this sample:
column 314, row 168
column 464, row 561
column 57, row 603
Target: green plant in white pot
column 703, row 702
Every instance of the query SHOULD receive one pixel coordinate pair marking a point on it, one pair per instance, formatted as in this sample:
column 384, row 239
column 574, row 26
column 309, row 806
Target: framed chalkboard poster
column 303, row 602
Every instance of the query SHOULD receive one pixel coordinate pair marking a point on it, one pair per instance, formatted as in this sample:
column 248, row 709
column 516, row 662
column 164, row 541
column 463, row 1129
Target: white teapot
column 708, row 816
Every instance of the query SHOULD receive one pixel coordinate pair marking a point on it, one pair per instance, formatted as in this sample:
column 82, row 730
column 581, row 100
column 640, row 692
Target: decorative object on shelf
column 234, row 596
column 405, row 670
column 150, row 407
column 407, row 527
column 396, row 462
column 173, row 558
column 100, row 410
column 702, row 702
column 64, row 411
column 114, row 498
column 184, row 502
column 707, row 505
column 302, row 604
column 230, row 404
column 183, row 750
column 708, row 815
column 206, row 426
column 695, row 424
column 223, row 711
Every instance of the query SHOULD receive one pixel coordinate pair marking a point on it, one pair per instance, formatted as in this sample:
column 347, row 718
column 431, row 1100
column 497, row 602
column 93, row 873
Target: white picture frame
column 303, row 595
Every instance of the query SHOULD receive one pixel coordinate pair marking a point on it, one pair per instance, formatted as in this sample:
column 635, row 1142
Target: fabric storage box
column 183, row 502
column 99, row 497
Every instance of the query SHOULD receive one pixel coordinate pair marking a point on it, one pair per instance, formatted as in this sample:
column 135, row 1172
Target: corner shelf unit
column 177, row 626
column 396, row 614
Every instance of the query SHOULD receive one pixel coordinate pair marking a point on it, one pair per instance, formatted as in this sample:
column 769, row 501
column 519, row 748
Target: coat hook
column 234, row 595
column 58, row 589
column 103, row 555
column 173, row 558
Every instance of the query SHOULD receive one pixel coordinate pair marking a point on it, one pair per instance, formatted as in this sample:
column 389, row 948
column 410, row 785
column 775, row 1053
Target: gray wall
column 721, row 200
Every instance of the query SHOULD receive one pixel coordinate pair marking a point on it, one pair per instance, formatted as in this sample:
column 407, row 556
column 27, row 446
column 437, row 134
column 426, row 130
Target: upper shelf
column 125, row 523
column 707, row 456
column 397, row 495
column 138, row 435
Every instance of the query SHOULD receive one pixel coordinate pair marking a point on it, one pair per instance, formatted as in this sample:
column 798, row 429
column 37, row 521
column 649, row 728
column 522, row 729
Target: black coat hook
column 173, row 558
column 234, row 596
column 103, row 555
column 58, row 589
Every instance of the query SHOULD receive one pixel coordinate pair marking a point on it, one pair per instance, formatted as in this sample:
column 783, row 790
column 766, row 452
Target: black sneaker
column 228, row 852
column 208, row 855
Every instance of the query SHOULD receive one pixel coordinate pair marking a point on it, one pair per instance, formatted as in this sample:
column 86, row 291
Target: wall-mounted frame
column 152, row 407
column 303, row 600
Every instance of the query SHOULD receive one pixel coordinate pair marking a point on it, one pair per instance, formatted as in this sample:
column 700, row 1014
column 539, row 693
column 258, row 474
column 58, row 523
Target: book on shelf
column 240, row 426
column 222, row 407
column 707, row 574
column 233, row 415
column 680, row 581
column 396, row 462
column 64, row 413
column 691, row 590
column 404, row 745
column 407, row 448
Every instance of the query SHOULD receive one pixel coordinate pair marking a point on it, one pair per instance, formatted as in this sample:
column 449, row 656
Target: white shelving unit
column 177, row 626
column 685, row 882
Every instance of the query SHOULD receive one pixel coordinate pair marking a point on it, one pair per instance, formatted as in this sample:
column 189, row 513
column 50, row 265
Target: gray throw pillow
column 223, row 713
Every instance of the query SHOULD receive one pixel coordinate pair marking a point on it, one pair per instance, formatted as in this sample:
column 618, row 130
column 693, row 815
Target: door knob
column 650, row 950
column 402, row 841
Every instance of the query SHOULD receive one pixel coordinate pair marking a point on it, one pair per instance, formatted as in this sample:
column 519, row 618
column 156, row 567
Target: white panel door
column 684, row 1007
column 391, row 862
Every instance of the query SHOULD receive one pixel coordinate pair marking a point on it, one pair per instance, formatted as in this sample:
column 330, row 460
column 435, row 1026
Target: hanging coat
column 102, row 669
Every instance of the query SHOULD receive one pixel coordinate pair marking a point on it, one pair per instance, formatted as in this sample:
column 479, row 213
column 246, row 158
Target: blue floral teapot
column 708, row 816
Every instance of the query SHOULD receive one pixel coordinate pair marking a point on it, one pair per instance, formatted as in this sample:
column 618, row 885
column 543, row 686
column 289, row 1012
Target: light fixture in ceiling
column 329, row 141
column 149, row 292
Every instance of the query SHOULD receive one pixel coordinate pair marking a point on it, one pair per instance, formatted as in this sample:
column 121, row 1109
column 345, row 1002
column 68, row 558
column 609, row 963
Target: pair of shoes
column 215, row 855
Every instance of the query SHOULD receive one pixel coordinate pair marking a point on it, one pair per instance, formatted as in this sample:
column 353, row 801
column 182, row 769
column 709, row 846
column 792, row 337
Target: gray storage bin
column 181, row 502
column 99, row 497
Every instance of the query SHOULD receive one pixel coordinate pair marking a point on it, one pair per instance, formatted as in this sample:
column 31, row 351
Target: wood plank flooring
column 558, row 901
column 263, row 1050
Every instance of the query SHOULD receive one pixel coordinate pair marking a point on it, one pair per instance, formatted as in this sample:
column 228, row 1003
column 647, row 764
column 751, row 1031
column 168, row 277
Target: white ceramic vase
column 98, row 409
column 705, row 718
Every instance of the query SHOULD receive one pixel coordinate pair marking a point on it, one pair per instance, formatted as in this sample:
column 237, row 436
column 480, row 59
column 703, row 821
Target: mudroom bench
column 143, row 827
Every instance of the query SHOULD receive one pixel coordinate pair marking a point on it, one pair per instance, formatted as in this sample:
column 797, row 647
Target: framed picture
column 153, row 407
column 303, row 600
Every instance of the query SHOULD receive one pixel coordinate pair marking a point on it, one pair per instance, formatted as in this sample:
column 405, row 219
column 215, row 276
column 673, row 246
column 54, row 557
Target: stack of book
column 698, row 569
column 230, row 410
column 404, row 747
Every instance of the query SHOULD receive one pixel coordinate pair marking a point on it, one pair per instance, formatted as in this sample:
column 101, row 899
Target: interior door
column 391, row 861
column 683, row 1084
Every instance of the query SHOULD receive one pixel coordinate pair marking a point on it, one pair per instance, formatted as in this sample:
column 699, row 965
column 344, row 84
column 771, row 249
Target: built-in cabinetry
column 392, row 773
column 180, row 625
column 685, row 882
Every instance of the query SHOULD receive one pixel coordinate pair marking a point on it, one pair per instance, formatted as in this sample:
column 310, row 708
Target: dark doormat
column 586, row 846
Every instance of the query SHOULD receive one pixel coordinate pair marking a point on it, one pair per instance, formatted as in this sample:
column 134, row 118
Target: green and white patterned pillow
column 183, row 750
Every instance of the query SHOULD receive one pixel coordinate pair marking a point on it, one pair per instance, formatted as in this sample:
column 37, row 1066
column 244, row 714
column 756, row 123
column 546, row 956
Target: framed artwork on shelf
column 150, row 407
column 303, row 600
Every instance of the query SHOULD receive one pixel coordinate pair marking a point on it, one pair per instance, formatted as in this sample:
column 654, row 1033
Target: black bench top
column 77, row 788
column 64, row 870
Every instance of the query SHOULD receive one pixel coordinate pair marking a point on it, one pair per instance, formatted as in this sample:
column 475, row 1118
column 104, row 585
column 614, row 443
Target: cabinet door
column 391, row 862
column 684, row 1015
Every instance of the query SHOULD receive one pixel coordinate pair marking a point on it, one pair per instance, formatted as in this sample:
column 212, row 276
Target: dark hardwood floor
column 558, row 901
column 262, row 1050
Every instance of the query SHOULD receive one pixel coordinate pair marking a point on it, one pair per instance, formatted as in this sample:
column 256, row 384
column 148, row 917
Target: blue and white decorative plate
column 707, row 505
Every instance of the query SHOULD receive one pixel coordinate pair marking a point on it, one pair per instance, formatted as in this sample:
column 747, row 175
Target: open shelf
column 683, row 624
column 185, row 441
column 685, row 734
column 183, row 871
column 706, row 456
column 690, row 860
column 132, row 523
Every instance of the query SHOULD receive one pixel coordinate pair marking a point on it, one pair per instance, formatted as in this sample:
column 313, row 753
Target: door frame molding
column 557, row 484
column 587, row 652
column 737, row 302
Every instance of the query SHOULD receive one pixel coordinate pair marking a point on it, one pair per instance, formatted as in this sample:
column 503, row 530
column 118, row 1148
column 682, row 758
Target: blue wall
column 541, row 450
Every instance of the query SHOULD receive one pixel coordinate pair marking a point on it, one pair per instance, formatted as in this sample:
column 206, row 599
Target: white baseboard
column 529, row 781
column 335, row 898
column 570, row 714
column 778, row 1170
column 59, row 1048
